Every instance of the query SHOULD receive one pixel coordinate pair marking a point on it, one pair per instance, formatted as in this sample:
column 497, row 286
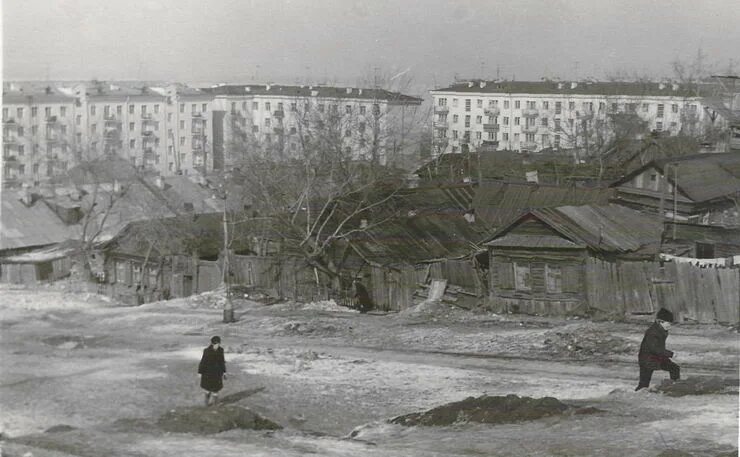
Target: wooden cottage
column 540, row 262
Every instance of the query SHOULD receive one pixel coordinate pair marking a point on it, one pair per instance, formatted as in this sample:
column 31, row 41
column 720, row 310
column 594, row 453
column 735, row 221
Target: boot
column 215, row 399
column 208, row 399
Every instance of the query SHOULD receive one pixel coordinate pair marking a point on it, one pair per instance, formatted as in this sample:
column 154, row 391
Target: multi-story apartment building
column 38, row 121
column 50, row 127
column 548, row 115
column 285, row 120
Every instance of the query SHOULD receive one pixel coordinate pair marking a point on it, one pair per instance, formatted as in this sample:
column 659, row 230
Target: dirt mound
column 490, row 410
column 698, row 386
column 584, row 341
column 206, row 421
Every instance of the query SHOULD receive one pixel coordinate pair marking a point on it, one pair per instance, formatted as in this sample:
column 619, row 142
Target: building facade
column 287, row 121
column 49, row 127
column 552, row 116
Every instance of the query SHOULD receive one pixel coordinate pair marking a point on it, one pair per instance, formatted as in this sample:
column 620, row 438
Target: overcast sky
column 340, row 40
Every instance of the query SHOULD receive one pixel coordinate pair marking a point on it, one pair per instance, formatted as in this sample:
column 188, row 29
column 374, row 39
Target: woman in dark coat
column 653, row 354
column 212, row 370
column 361, row 297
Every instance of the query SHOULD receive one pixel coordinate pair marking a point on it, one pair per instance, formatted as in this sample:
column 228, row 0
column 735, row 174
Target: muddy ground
column 83, row 376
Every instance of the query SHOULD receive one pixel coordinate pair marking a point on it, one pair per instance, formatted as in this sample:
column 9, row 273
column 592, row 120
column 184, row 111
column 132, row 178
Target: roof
column 701, row 177
column 703, row 233
column 24, row 226
column 34, row 94
column 499, row 203
column 309, row 91
column 638, row 88
column 45, row 254
column 430, row 225
column 533, row 241
column 604, row 228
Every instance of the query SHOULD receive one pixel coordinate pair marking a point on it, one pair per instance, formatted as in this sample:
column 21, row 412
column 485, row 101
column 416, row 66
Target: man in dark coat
column 653, row 354
column 212, row 370
column 361, row 297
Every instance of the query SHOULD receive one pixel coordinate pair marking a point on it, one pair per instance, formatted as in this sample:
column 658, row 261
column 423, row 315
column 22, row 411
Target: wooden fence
column 691, row 292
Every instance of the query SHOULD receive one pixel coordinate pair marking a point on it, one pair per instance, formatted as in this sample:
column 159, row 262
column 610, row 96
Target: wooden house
column 540, row 261
column 702, row 188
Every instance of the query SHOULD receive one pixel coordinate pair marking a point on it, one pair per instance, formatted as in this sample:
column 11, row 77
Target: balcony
column 196, row 114
column 441, row 109
column 490, row 127
column 10, row 158
column 51, row 119
column 53, row 137
column 492, row 111
column 584, row 115
column 279, row 114
column 441, row 142
column 110, row 117
column 530, row 112
column 149, row 134
column 529, row 128
column 441, row 124
column 528, row 145
column 149, row 151
column 10, row 139
column 146, row 116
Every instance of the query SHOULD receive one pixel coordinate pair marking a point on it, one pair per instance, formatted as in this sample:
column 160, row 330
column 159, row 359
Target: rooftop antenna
column 498, row 71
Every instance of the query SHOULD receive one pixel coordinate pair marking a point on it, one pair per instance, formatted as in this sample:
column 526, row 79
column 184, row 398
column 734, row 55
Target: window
column 492, row 120
column 294, row 107
column 531, row 104
column 544, row 122
column 506, row 137
column 361, row 127
column 517, row 104
column 558, row 107
column 267, row 106
column 516, row 120
column 362, row 108
column 119, row 109
column 255, row 106
column 478, row 135
column 182, row 125
column 455, row 118
column 557, row 124
column 454, row 103
column 169, row 117
column 467, row 121
column 156, row 108
column 170, row 149
column 62, row 111
column 131, row 126
column 553, row 279
column 478, row 119
column 182, row 107
column 659, row 126
column 506, row 120
column 182, row 141
column 602, row 106
column 131, row 109
column 454, row 134
column 20, row 131
column 376, row 109
column 132, row 144
column 255, row 128
column 492, row 136
column 63, row 129
column 545, row 138
column 19, row 111
column 268, row 122
column 321, row 107
column 94, row 128
column 506, row 104
column 143, row 109
column 34, row 111
column 492, row 103
column 21, row 149
column 704, row 251
column 522, row 277
column 661, row 109
column 244, row 106
column 204, row 107
column 136, row 274
column 674, row 108
column 442, row 101
column 193, row 107
column 348, row 109
column 571, row 106
column 557, row 141
column 516, row 137
column 545, row 105
column 479, row 103
column 92, row 110
column 645, row 107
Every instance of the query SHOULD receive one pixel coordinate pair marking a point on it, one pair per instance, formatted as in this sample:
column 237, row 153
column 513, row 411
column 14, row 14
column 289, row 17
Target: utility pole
column 229, row 305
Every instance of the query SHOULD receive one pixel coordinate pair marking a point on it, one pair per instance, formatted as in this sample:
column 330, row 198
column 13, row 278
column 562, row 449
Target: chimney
column 363, row 223
column 159, row 182
column 247, row 89
column 560, row 85
column 573, row 84
column 314, row 93
column 674, row 86
column 661, row 86
column 359, row 91
column 470, row 83
column 469, row 216
column 482, row 84
column 267, row 87
column 349, row 90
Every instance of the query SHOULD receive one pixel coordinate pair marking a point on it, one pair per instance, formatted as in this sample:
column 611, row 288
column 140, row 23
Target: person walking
column 361, row 297
column 653, row 354
column 212, row 370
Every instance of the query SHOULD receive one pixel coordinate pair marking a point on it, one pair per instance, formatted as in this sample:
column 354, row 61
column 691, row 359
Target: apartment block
column 284, row 121
column 37, row 124
column 551, row 116
column 159, row 127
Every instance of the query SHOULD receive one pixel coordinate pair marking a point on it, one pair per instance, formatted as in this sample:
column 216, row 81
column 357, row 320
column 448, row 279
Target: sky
column 348, row 41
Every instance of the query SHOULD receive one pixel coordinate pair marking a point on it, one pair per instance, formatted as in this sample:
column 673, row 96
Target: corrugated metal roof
column 704, row 177
column 499, row 203
column 24, row 226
